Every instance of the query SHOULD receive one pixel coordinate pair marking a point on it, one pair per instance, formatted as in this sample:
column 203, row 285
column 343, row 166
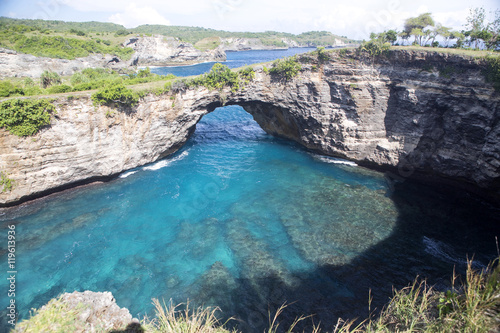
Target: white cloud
column 12, row 14
column 133, row 16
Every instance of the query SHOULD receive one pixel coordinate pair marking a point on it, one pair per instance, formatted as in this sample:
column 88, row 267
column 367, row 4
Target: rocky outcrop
column 245, row 44
column 14, row 64
column 165, row 51
column 92, row 312
column 417, row 114
column 149, row 51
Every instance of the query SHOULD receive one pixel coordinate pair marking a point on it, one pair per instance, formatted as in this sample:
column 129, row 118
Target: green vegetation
column 272, row 38
column 169, row 319
column 48, row 79
column 64, row 48
column 25, row 117
column 61, row 26
column 220, row 76
column 286, row 68
column 68, row 40
column 115, row 93
column 8, row 89
column 56, row 317
column 425, row 30
column 471, row 306
column 6, row 183
column 322, row 55
column 87, row 79
column 201, row 38
column 481, row 31
column 492, row 72
column 208, row 43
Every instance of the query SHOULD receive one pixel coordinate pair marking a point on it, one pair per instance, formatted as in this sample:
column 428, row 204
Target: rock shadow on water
column 428, row 221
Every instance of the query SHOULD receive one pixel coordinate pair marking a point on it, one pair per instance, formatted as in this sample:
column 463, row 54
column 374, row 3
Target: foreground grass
column 57, row 317
column 471, row 305
column 170, row 320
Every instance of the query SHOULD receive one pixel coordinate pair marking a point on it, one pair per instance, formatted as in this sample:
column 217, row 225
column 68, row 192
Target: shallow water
column 245, row 221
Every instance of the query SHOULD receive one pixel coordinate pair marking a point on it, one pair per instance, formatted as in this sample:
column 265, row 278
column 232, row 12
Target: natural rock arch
column 390, row 115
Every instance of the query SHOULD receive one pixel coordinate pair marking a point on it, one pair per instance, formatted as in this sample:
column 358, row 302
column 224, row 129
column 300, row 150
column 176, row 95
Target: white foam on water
column 333, row 160
column 440, row 250
column 166, row 162
column 126, row 174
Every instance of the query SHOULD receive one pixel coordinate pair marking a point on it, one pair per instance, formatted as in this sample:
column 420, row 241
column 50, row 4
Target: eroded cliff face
column 414, row 113
column 164, row 51
column 149, row 51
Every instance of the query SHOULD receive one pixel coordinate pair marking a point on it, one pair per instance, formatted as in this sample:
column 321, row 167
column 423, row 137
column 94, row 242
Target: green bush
column 492, row 73
column 322, row 55
column 221, row 76
column 65, row 48
column 117, row 93
column 286, row 68
column 62, row 88
column 146, row 72
column 32, row 91
column 5, row 182
column 122, row 32
column 8, row 89
column 246, row 74
column 48, row 79
column 77, row 32
column 25, row 117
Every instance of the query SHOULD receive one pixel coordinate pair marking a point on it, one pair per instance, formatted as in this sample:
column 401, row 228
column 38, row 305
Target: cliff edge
column 418, row 114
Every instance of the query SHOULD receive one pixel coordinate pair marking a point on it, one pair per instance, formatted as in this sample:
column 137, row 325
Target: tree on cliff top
column 415, row 26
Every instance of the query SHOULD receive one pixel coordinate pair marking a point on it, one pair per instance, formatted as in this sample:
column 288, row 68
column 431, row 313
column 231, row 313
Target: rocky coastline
column 149, row 51
column 400, row 114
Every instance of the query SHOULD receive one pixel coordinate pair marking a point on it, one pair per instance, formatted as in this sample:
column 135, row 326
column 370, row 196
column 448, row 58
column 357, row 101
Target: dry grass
column 462, row 52
column 171, row 320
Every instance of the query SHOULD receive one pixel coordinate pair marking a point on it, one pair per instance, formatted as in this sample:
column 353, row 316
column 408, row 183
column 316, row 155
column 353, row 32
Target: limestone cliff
column 14, row 64
column 164, row 51
column 149, row 51
column 422, row 114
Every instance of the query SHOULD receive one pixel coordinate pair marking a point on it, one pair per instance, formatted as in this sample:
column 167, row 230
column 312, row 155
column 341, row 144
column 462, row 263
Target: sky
column 354, row 19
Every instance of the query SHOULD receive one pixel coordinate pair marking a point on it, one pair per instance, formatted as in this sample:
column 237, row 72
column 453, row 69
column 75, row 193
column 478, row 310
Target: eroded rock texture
column 415, row 113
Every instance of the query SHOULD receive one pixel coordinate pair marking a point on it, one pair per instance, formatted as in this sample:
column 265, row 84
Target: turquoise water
column 245, row 221
column 234, row 60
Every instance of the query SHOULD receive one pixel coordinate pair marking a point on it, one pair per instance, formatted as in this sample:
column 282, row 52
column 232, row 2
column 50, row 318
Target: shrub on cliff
column 492, row 72
column 8, row 89
column 49, row 78
column 6, row 184
column 65, row 48
column 221, row 76
column 246, row 74
column 286, row 68
column 25, row 117
column 61, row 88
column 116, row 93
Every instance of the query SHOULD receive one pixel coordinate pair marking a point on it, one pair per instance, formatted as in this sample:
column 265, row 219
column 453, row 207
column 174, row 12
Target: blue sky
column 355, row 19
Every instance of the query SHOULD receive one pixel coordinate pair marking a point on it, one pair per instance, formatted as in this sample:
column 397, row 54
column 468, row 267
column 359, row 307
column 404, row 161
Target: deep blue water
column 245, row 221
column 234, row 60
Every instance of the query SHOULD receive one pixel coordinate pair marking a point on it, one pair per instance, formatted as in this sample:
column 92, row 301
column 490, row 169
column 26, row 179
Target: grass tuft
column 171, row 320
